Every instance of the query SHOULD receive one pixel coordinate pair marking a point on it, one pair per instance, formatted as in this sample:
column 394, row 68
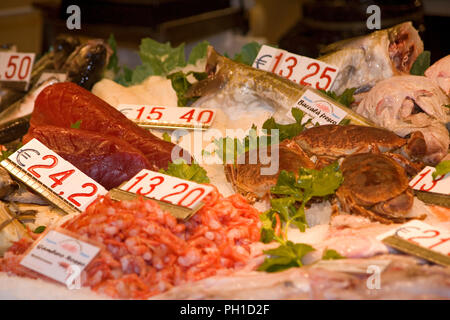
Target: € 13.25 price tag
column 170, row 117
column 16, row 67
column 422, row 234
column 299, row 69
column 60, row 257
column 424, row 182
column 58, row 175
column 166, row 188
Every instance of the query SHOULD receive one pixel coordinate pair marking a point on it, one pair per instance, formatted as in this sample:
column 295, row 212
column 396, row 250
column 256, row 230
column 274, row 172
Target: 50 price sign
column 16, row 66
column 160, row 116
column 59, row 175
column 167, row 188
column 424, row 182
column 299, row 69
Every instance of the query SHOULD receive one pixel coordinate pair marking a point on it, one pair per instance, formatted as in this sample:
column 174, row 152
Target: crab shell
column 338, row 141
column 375, row 186
column 246, row 177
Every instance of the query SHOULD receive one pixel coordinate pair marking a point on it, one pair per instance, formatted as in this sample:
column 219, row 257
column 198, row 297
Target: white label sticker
column 170, row 116
column 16, row 66
column 299, row 69
column 59, row 175
column 423, row 234
column 58, row 255
column 424, row 182
column 167, row 188
column 320, row 109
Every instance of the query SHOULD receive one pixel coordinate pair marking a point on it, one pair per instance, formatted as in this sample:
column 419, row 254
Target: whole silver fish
column 365, row 60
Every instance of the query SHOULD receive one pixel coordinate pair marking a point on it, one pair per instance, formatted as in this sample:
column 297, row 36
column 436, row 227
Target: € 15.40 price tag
column 424, row 182
column 57, row 174
column 424, row 235
column 299, row 69
column 171, row 117
column 16, row 67
column 167, row 188
column 60, row 257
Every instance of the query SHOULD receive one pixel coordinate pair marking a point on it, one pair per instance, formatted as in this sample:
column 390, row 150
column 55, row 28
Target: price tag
column 167, row 188
column 59, row 256
column 318, row 108
column 299, row 69
column 168, row 117
column 15, row 69
column 420, row 239
column 424, row 182
column 53, row 177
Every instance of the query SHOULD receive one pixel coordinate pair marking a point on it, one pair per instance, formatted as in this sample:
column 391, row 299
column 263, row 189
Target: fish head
column 63, row 47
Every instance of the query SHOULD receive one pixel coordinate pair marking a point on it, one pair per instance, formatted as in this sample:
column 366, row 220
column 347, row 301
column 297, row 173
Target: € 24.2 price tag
column 299, row 69
column 160, row 116
column 16, row 67
column 424, row 182
column 59, row 175
column 60, row 257
column 167, row 188
column 422, row 234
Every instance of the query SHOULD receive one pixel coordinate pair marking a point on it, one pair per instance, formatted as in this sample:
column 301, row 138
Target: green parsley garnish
column 181, row 169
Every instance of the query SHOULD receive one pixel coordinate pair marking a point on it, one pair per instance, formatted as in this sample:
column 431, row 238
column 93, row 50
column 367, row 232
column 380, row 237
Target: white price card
column 422, row 234
column 424, row 182
column 59, row 175
column 161, row 116
column 167, row 188
column 299, row 69
column 16, row 67
column 59, row 256
column 319, row 109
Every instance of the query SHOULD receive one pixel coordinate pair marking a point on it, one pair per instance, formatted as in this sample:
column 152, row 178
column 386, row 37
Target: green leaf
column 442, row 169
column 166, row 137
column 287, row 131
column 76, row 125
column 113, row 60
column 161, row 57
column 421, row 64
column 344, row 122
column 198, row 52
column 248, row 53
column 286, row 256
column 346, row 98
column 181, row 169
column 39, row 229
column 181, row 84
column 331, row 254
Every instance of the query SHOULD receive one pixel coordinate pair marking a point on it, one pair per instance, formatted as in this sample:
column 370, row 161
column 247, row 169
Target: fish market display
column 106, row 159
column 440, row 73
column 365, row 60
column 405, row 104
column 296, row 209
column 65, row 104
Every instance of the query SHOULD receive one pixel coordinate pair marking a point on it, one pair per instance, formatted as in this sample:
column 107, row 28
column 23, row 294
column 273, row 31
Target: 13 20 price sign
column 424, row 182
column 168, row 116
column 167, row 188
column 15, row 66
column 59, row 175
column 299, row 69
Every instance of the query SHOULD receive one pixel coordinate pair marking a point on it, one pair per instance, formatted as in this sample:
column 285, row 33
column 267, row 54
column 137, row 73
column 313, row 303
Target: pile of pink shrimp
column 147, row 251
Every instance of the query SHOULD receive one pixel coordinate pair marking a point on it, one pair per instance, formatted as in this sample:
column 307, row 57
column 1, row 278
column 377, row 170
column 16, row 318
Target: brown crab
column 375, row 186
column 319, row 146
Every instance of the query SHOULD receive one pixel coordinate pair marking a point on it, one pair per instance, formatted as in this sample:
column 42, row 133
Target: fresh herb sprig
column 181, row 169
column 442, row 169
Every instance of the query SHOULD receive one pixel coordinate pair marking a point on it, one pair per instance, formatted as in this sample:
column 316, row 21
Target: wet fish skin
column 86, row 64
column 14, row 129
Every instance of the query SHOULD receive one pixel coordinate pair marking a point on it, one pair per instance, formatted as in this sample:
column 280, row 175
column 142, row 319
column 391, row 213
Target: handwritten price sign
column 57, row 174
column 424, row 235
column 424, row 182
column 299, row 69
column 16, row 67
column 159, row 116
column 167, row 188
